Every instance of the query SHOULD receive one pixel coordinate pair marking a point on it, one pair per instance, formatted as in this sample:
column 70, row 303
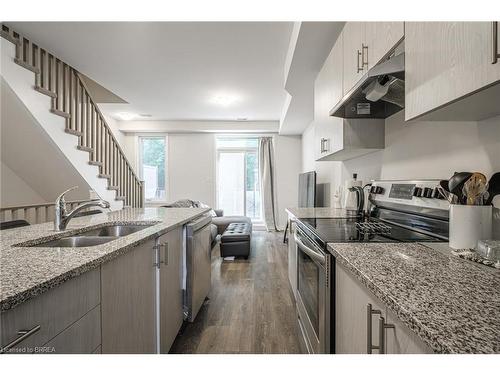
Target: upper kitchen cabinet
column 451, row 70
column 327, row 92
column 355, row 53
column 381, row 38
column 365, row 45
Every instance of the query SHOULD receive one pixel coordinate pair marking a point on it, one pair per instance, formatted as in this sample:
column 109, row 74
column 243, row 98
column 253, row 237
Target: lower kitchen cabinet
column 351, row 324
column 357, row 309
column 292, row 258
column 128, row 301
column 65, row 319
column 171, row 293
column 400, row 340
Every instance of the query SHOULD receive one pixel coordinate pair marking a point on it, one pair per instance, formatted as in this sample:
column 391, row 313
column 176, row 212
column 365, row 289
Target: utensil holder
column 469, row 224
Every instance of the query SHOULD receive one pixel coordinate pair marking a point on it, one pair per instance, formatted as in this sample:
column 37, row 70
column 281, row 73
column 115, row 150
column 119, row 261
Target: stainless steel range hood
column 378, row 94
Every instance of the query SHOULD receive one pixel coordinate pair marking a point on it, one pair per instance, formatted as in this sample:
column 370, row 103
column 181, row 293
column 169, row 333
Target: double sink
column 97, row 236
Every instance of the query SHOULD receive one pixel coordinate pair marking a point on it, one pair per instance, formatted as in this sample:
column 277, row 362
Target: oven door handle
column 317, row 256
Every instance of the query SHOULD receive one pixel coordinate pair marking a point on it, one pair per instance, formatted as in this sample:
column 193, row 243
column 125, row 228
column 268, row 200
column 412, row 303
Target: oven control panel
column 420, row 194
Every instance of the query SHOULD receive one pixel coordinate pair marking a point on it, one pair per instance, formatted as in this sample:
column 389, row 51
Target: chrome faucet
column 62, row 218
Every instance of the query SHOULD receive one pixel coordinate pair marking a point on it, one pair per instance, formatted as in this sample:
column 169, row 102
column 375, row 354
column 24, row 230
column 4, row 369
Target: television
column 307, row 189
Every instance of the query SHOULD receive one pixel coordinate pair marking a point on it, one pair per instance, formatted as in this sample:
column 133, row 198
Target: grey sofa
column 219, row 221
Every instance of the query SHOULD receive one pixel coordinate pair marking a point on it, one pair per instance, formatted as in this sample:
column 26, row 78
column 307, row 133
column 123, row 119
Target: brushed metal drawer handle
column 369, row 313
column 494, row 42
column 360, row 67
column 23, row 334
column 382, row 325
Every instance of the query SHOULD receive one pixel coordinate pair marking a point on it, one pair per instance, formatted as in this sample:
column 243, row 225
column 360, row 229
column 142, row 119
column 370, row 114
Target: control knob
column 427, row 192
column 417, row 192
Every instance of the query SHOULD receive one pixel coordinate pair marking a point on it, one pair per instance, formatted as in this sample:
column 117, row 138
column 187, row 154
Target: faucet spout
column 62, row 218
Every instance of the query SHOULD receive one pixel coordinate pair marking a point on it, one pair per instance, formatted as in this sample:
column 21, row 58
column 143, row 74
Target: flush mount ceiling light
column 224, row 100
column 126, row 116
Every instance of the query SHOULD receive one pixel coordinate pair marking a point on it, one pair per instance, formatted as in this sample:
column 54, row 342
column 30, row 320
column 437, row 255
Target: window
column 238, row 184
column 152, row 167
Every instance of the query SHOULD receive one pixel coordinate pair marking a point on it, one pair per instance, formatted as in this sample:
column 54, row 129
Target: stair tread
column 73, row 132
column 44, row 91
column 97, row 163
column 27, row 66
column 84, row 148
column 9, row 37
column 60, row 113
column 113, row 187
column 101, row 175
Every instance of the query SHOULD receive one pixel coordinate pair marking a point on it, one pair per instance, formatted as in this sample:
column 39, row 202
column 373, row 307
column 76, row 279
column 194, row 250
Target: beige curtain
column 267, row 183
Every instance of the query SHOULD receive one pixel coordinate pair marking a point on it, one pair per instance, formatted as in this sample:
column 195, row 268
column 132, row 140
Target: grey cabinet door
column 128, row 302
column 171, row 310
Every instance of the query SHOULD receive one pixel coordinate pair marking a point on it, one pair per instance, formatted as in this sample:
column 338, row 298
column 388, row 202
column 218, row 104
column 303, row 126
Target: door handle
column 382, row 325
column 165, row 253
column 494, row 42
column 360, row 68
column 23, row 334
column 369, row 313
column 363, row 62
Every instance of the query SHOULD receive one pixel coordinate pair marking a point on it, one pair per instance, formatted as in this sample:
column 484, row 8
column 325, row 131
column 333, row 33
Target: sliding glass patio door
column 238, row 186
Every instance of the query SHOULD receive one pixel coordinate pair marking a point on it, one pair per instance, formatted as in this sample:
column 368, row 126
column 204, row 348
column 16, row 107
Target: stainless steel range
column 398, row 211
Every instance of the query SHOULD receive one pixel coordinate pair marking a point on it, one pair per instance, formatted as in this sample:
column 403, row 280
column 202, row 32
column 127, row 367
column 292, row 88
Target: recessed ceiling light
column 126, row 116
column 224, row 100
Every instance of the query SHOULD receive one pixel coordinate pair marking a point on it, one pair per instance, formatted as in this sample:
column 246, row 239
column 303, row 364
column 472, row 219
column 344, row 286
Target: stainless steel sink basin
column 76, row 241
column 114, row 230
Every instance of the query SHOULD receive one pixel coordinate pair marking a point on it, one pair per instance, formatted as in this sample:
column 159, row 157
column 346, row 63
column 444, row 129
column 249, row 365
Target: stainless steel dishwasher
column 198, row 265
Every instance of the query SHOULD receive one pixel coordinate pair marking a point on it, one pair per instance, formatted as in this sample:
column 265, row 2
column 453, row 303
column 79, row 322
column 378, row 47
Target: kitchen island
column 62, row 298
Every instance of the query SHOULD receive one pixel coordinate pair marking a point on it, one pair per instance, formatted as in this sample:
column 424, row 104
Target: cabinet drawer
column 53, row 311
column 83, row 337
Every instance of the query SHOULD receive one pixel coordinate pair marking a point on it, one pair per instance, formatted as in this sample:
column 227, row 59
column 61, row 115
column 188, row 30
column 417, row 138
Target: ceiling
column 177, row 70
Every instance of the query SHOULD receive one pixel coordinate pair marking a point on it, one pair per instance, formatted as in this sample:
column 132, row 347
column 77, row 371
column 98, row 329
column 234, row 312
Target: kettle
column 360, row 198
column 351, row 200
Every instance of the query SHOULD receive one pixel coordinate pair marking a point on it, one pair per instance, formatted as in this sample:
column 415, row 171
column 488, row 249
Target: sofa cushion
column 223, row 221
column 213, row 233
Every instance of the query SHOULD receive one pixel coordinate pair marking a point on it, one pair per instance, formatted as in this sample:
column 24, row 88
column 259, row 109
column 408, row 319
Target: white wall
column 417, row 150
column 191, row 167
column 14, row 191
column 288, row 159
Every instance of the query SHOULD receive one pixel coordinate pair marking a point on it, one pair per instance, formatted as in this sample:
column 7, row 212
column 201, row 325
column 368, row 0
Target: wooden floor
column 250, row 307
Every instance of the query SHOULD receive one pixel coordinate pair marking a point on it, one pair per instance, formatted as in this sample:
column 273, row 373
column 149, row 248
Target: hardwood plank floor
column 250, row 307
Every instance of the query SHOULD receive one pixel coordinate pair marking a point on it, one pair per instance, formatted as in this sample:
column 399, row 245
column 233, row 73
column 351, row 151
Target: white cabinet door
column 445, row 61
column 351, row 319
column 171, row 311
column 354, row 38
column 327, row 93
column 400, row 340
column 292, row 257
column 382, row 37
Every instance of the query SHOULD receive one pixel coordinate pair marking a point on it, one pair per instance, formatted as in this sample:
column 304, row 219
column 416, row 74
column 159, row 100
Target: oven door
column 313, row 294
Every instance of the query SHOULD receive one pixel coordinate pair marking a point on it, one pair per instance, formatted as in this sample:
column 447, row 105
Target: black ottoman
column 235, row 241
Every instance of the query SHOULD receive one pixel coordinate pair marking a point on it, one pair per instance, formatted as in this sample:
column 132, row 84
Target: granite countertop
column 318, row 212
column 28, row 271
column 452, row 304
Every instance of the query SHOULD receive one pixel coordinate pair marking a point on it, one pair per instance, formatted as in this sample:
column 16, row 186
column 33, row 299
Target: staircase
column 71, row 100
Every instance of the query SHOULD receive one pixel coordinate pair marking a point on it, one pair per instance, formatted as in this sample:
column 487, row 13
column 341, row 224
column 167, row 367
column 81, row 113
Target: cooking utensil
column 452, row 198
column 474, row 189
column 456, row 183
column 493, row 187
column 444, row 185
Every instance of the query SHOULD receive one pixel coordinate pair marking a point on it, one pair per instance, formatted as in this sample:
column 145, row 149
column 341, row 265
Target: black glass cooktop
column 361, row 230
